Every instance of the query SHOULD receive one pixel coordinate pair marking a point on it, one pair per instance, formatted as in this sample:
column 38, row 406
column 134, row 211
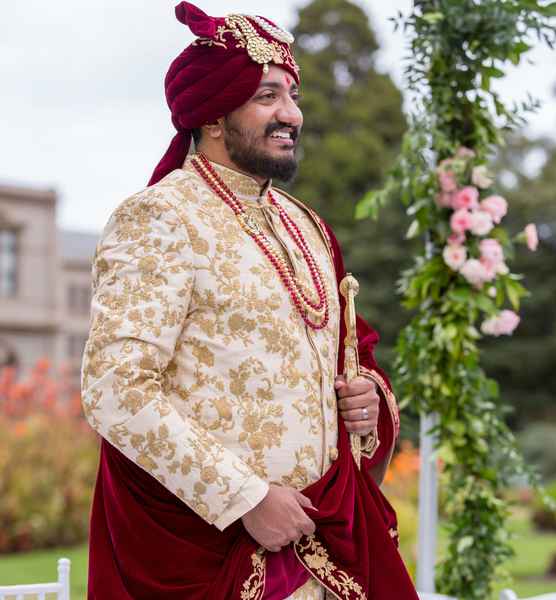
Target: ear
column 214, row 130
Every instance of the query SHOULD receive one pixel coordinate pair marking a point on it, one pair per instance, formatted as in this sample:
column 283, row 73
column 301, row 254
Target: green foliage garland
column 458, row 47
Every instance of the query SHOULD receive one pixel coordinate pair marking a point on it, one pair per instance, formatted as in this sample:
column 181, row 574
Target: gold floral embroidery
column 253, row 586
column 299, row 475
column 243, row 33
column 217, row 40
column 314, row 557
column 197, row 366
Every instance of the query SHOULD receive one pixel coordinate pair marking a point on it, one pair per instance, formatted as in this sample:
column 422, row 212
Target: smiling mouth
column 286, row 136
column 283, row 142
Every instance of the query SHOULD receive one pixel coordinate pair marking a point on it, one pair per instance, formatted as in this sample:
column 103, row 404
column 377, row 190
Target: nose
column 290, row 113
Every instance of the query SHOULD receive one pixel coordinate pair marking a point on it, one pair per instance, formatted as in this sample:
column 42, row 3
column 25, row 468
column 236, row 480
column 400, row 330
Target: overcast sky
column 82, row 103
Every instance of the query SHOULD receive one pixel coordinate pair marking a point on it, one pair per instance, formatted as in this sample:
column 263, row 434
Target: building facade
column 45, row 282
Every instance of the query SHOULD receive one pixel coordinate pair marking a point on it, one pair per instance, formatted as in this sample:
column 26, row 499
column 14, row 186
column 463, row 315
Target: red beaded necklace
column 302, row 302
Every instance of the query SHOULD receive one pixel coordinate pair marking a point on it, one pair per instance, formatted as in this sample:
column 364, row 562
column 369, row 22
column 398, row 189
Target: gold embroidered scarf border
column 388, row 395
column 314, row 557
column 253, row 586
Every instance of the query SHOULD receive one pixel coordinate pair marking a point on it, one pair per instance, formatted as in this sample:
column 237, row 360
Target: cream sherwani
column 198, row 367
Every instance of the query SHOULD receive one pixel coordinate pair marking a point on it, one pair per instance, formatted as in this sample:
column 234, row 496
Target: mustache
column 272, row 127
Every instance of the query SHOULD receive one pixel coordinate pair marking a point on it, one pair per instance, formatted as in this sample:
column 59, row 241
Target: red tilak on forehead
column 288, row 80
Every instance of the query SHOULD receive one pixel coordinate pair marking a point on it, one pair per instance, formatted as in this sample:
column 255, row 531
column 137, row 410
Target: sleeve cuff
column 251, row 493
column 369, row 442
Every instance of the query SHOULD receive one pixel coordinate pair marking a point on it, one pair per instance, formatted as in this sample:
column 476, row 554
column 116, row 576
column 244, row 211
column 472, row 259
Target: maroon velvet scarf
column 145, row 544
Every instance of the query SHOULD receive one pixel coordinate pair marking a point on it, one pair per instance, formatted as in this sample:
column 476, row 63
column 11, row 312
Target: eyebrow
column 278, row 86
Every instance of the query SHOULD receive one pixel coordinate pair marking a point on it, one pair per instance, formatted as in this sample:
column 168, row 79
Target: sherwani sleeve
column 143, row 277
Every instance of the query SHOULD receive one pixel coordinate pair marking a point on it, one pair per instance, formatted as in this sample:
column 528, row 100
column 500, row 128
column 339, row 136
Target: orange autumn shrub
column 402, row 477
column 48, row 461
column 401, row 487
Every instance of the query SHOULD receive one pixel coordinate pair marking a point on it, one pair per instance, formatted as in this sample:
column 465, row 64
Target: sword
column 349, row 288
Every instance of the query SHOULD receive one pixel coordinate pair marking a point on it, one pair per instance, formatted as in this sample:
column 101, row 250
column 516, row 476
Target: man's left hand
column 358, row 402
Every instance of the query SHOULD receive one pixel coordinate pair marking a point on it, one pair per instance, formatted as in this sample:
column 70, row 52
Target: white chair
column 429, row 596
column 511, row 595
column 61, row 587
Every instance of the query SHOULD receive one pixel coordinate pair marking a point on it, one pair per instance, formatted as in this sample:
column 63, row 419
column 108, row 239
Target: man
column 211, row 366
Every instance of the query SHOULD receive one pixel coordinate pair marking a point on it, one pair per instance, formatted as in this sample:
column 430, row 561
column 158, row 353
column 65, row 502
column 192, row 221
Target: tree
column 352, row 132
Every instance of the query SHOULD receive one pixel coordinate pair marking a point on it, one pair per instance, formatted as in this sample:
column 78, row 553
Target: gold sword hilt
column 349, row 288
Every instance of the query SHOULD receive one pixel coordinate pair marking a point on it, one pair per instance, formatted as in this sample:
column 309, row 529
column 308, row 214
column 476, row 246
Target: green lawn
column 41, row 566
column 533, row 552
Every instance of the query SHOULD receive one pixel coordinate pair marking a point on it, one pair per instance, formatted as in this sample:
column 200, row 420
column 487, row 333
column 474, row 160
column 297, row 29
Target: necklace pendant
column 251, row 224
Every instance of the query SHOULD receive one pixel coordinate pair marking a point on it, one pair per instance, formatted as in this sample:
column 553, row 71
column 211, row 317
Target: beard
column 242, row 148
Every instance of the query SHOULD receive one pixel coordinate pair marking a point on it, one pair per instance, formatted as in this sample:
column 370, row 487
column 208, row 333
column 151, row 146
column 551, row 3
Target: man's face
column 261, row 136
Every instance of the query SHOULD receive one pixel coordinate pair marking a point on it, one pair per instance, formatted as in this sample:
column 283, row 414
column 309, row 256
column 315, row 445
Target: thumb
column 304, row 501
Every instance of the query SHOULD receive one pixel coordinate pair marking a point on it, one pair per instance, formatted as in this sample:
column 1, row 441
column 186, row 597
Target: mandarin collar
column 241, row 184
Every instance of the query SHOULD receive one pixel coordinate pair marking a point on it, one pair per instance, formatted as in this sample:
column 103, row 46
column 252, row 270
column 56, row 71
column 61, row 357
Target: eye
column 268, row 96
column 296, row 98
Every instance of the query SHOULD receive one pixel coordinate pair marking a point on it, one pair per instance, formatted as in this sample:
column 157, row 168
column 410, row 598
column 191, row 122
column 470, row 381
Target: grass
column 533, row 553
column 41, row 566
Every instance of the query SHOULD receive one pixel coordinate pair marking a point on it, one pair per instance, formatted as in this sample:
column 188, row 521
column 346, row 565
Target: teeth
column 283, row 135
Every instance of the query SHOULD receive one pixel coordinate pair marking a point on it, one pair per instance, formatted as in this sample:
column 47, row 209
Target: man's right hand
column 279, row 519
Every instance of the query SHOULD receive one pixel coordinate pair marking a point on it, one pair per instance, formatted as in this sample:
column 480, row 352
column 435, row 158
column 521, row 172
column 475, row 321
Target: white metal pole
column 428, row 506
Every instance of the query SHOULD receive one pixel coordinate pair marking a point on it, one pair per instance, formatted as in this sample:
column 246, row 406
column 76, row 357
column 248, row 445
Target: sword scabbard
column 349, row 287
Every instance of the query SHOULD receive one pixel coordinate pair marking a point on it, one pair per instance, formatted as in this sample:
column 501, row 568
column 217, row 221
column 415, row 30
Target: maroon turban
column 218, row 72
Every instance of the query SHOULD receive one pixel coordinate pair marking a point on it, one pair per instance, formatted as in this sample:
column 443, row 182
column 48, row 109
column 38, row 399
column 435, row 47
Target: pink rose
column 491, row 270
column 447, row 181
column 491, row 251
column 464, row 152
column 502, row 324
column 531, row 236
column 492, row 257
column 475, row 272
column 444, row 199
column 480, row 177
column 508, row 320
column 467, row 197
column 456, row 239
column 460, row 221
column 496, row 207
column 454, row 256
column 481, row 222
